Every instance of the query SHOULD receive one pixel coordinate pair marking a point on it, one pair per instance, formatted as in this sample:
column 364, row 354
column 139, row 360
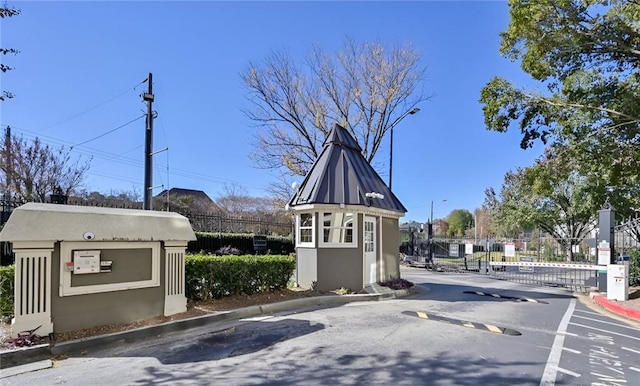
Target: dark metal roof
column 341, row 175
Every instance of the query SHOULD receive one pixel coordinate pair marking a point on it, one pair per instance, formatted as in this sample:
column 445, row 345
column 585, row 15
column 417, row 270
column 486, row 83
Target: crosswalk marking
column 568, row 372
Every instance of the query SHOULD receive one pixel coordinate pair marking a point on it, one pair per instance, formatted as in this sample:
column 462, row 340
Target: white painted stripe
column 568, row 372
column 480, row 293
column 496, row 295
column 634, row 369
column 613, row 324
column 551, row 369
column 588, row 312
column 630, row 349
column 568, row 333
column 607, row 331
column 572, row 350
column 609, row 379
column 256, row 318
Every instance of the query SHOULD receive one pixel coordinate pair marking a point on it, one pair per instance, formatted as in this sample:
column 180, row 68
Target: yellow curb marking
column 493, row 328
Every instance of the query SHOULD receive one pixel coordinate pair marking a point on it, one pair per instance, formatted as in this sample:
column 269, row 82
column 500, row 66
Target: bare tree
column 5, row 11
column 34, row 170
column 235, row 200
column 365, row 87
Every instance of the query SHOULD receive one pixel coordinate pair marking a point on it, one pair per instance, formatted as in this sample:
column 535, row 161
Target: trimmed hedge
column 210, row 277
column 6, row 290
column 634, row 267
column 210, row 242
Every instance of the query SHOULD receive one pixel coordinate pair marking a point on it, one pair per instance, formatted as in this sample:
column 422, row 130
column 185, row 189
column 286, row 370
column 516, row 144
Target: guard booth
column 80, row 267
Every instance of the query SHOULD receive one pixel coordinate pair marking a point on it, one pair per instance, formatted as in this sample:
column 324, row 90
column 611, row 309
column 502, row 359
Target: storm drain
column 464, row 323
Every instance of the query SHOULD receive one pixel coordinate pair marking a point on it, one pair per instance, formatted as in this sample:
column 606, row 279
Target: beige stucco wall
column 389, row 258
column 338, row 268
column 306, row 267
column 330, row 268
column 334, row 268
column 84, row 311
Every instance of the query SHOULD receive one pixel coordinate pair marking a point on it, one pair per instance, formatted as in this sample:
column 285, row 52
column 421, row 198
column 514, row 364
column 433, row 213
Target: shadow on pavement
column 466, row 293
column 317, row 368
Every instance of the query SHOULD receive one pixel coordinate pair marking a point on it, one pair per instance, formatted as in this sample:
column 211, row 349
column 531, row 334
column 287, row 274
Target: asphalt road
column 456, row 329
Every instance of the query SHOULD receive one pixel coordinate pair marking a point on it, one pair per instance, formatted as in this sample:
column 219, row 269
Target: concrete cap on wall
column 54, row 222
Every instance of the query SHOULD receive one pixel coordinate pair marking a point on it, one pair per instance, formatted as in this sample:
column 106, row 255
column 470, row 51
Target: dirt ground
column 197, row 308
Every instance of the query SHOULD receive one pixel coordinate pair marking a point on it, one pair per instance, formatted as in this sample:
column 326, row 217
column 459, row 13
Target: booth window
column 305, row 229
column 338, row 229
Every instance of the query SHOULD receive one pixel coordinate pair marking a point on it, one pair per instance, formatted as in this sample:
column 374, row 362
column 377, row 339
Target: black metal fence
column 539, row 261
column 268, row 224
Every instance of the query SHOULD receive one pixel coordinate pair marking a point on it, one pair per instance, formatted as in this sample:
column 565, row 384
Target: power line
column 92, row 152
column 94, row 107
column 108, row 132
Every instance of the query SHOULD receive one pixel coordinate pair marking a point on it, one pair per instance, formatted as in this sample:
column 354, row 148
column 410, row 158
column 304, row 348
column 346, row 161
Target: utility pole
column 7, row 146
column 148, row 145
column 9, row 163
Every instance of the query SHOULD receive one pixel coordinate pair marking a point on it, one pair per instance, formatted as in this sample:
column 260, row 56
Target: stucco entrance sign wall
column 74, row 265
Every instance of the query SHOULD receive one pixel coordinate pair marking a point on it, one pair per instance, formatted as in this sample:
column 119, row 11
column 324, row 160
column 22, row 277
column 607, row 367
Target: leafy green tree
column 510, row 209
column 565, row 202
column 459, row 221
column 586, row 54
column 367, row 88
column 6, row 12
column 550, row 196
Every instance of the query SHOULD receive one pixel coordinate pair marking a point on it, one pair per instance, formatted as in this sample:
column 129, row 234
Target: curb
column 616, row 308
column 24, row 355
column 27, row 357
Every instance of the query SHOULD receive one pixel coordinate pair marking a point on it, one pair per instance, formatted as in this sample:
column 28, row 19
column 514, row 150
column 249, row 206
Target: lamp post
column 393, row 124
column 431, row 231
column 431, row 218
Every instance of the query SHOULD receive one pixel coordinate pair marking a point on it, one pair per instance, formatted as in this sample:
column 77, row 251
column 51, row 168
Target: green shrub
column 634, row 267
column 208, row 276
column 6, row 290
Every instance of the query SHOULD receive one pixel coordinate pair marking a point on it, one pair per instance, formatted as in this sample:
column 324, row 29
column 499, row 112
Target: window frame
column 299, row 228
column 354, row 240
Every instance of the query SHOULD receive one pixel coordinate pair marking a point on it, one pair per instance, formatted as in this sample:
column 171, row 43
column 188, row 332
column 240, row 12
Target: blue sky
column 81, row 65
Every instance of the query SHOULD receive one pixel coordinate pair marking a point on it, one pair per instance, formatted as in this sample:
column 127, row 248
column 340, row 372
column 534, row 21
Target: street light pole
column 431, row 232
column 410, row 112
column 431, row 217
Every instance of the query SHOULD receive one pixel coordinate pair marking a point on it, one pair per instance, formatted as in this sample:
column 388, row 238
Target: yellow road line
column 469, row 324
column 422, row 315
